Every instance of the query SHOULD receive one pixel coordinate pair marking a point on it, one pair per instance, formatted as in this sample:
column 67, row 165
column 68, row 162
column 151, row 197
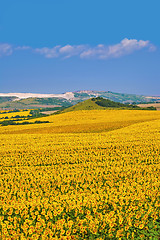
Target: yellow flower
column 141, row 226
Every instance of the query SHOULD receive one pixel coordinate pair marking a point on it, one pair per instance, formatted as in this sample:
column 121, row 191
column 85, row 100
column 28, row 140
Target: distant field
column 49, row 112
column 157, row 105
column 85, row 121
column 11, row 115
column 45, row 106
column 85, row 175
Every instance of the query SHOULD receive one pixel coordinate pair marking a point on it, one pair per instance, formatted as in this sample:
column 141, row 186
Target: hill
column 30, row 100
column 101, row 103
column 6, row 99
column 88, row 104
column 34, row 103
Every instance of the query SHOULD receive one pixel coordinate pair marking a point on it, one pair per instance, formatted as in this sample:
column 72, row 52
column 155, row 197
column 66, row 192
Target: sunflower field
column 85, row 175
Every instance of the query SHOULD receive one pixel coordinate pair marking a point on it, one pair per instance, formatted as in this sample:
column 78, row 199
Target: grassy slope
column 86, row 105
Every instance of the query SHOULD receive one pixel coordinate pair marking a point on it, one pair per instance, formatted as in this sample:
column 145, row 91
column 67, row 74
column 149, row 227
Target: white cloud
column 66, row 51
column 100, row 51
column 5, row 49
column 49, row 52
column 22, row 48
column 69, row 51
column 125, row 47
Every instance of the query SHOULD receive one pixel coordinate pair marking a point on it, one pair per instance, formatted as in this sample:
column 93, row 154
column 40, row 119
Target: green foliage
column 13, row 122
column 36, row 113
column 107, row 103
column 41, row 122
column 151, row 108
column 11, row 111
column 6, row 99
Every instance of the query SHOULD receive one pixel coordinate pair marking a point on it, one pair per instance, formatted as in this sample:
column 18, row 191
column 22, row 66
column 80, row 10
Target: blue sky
column 54, row 46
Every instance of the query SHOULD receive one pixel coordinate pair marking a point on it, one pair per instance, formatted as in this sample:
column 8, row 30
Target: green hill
column 85, row 105
column 6, row 99
column 33, row 103
column 101, row 103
